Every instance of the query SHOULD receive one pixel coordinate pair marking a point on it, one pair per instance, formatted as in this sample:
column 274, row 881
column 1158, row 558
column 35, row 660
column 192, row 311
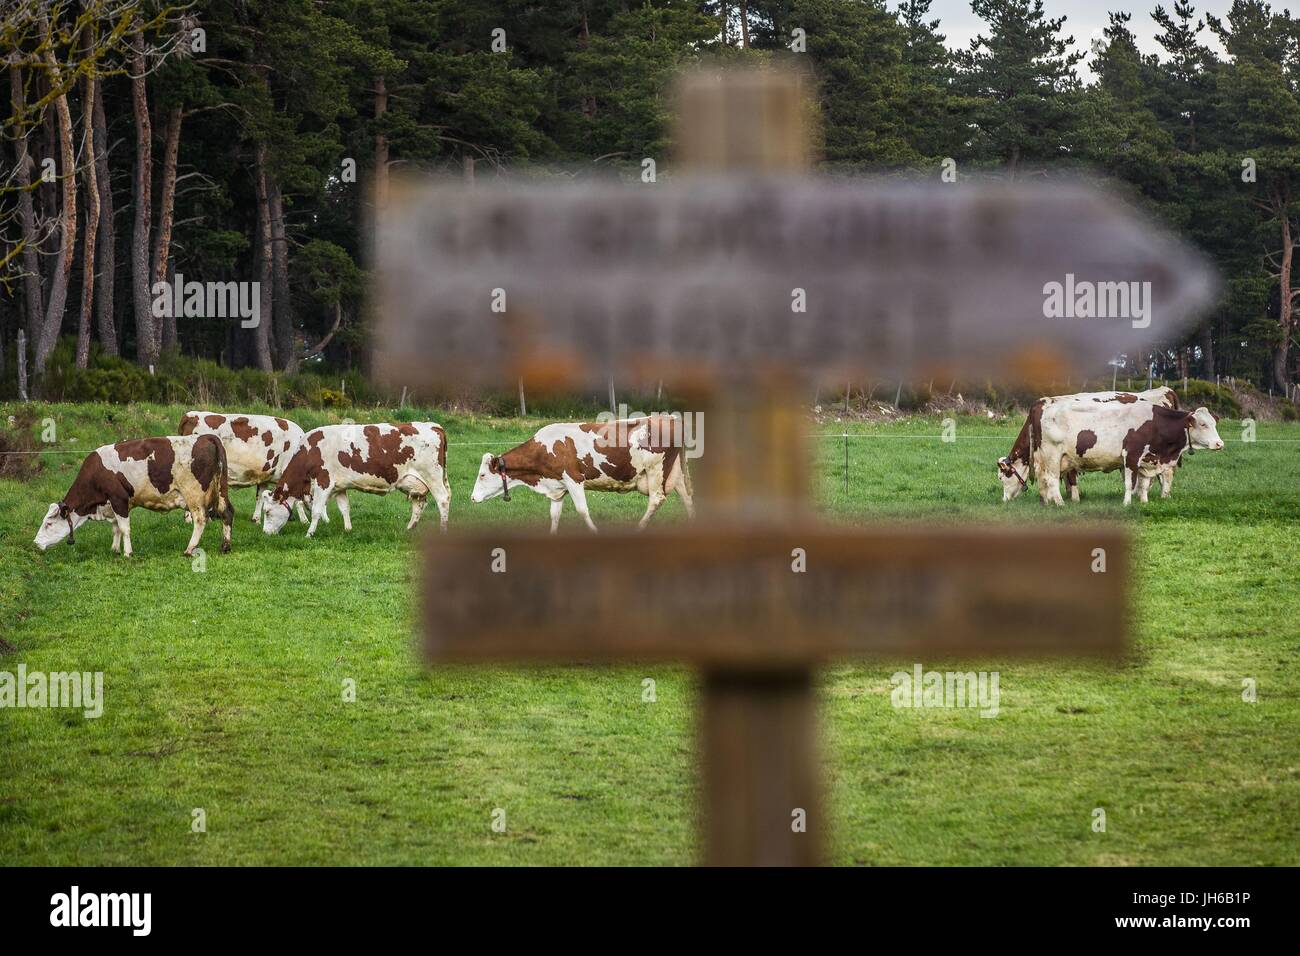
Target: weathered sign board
column 702, row 276
column 776, row 596
column 758, row 281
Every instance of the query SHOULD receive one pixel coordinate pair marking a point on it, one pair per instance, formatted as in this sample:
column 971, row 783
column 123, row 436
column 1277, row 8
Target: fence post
column 846, row 463
column 523, row 405
column 613, row 406
column 898, row 395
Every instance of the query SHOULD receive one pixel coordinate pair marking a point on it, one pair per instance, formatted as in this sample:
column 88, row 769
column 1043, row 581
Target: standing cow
column 410, row 457
column 1016, row 470
column 160, row 474
column 1138, row 438
column 258, row 448
column 568, row 459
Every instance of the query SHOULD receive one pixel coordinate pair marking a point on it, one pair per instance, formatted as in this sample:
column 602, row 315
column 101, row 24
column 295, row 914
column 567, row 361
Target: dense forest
column 249, row 140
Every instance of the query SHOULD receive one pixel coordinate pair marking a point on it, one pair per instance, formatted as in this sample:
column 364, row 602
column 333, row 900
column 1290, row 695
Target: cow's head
column 275, row 508
column 1203, row 429
column 58, row 524
column 1014, row 475
column 492, row 480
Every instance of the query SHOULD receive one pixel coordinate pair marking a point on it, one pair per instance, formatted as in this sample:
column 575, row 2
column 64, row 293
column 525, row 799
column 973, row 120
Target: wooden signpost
column 696, row 286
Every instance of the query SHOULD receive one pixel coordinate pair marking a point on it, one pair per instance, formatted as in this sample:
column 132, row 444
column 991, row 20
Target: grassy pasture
column 223, row 689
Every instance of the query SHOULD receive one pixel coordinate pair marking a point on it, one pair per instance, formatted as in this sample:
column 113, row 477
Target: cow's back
column 161, row 472
column 377, row 457
column 258, row 447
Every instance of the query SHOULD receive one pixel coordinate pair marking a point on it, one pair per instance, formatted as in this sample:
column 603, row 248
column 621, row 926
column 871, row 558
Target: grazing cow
column 638, row 454
column 258, row 448
column 1016, row 470
column 1138, row 438
column 335, row 459
column 186, row 471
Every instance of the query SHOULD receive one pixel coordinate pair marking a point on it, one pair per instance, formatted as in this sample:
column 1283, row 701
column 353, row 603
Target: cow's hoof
column 225, row 547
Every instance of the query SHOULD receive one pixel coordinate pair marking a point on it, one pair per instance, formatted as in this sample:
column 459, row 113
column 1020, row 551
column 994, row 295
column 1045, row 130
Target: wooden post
column 523, row 405
column 758, row 727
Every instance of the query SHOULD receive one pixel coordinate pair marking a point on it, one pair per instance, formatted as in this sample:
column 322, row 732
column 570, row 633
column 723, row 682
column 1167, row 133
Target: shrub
column 1217, row 398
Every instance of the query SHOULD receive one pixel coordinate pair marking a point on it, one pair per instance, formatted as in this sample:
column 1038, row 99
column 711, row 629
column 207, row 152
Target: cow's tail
column 219, row 504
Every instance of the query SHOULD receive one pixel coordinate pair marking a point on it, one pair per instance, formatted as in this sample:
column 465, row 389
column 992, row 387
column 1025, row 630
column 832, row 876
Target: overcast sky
column 1082, row 17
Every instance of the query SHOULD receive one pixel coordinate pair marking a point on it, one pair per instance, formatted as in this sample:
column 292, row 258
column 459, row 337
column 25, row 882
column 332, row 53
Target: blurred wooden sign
column 775, row 597
column 756, row 272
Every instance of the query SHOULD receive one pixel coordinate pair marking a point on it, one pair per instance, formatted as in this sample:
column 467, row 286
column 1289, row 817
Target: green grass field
column 223, row 690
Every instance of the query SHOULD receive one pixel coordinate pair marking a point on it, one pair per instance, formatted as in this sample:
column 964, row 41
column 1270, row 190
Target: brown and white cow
column 410, row 457
column 1016, row 470
column 571, row 458
column 185, row 471
column 1138, row 438
column 258, row 448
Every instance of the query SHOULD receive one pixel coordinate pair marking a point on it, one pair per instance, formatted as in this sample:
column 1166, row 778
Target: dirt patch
column 18, row 450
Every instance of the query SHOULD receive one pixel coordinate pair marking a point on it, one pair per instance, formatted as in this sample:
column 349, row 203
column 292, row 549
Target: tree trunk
column 146, row 336
column 167, row 340
column 262, row 334
column 33, row 297
column 320, row 346
column 107, row 238
column 1285, row 306
column 744, row 24
column 1207, row 349
column 92, row 216
column 54, row 308
column 381, row 147
column 285, row 347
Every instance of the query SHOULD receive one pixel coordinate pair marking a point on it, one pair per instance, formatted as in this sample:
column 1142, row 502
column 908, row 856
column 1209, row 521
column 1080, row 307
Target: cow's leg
column 319, row 501
column 657, row 498
column 258, row 490
column 557, row 506
column 684, row 490
column 117, row 537
column 418, row 504
column 1130, row 481
column 200, row 519
column 1049, row 484
column 124, row 525
column 1166, row 482
column 302, row 512
column 579, row 497
column 1072, row 482
column 1144, row 486
column 442, row 498
column 345, row 509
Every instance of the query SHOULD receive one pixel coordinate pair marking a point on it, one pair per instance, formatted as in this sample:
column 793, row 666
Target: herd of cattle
column 293, row 470
column 1143, row 435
